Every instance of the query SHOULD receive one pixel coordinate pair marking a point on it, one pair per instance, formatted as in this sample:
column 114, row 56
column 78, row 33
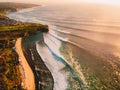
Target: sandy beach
column 27, row 74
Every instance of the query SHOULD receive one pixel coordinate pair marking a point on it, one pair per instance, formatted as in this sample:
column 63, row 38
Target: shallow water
column 86, row 37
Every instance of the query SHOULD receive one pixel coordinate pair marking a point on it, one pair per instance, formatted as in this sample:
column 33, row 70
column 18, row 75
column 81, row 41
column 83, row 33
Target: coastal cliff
column 10, row 30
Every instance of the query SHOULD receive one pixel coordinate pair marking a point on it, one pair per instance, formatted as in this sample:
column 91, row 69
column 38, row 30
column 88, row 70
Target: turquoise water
column 43, row 77
column 85, row 38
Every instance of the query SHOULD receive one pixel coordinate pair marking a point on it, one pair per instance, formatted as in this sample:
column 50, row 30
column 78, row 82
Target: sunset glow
column 60, row 44
column 112, row 2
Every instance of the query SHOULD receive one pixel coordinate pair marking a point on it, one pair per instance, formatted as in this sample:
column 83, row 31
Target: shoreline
column 20, row 10
column 28, row 82
column 54, row 67
column 25, row 79
column 43, row 76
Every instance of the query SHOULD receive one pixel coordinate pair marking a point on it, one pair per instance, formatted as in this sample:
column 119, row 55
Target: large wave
column 53, row 43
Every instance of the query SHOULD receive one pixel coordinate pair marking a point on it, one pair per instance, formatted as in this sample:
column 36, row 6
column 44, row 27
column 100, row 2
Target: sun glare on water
column 112, row 2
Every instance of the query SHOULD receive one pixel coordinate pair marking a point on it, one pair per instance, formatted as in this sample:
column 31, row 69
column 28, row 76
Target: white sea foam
column 54, row 34
column 60, row 79
column 54, row 44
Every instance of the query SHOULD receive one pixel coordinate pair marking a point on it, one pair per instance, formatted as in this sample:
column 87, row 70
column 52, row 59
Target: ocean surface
column 82, row 48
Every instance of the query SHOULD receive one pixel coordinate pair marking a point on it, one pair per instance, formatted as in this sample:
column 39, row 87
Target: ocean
column 82, row 47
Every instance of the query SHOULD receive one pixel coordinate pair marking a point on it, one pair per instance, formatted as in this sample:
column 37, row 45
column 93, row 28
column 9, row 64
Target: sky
column 112, row 2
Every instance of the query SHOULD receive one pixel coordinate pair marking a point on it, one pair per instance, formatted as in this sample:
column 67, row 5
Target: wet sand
column 28, row 79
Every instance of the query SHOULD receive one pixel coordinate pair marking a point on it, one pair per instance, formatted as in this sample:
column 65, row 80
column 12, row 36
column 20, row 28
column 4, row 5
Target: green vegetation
column 9, row 64
column 23, row 30
column 29, row 26
column 10, row 30
column 9, row 70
